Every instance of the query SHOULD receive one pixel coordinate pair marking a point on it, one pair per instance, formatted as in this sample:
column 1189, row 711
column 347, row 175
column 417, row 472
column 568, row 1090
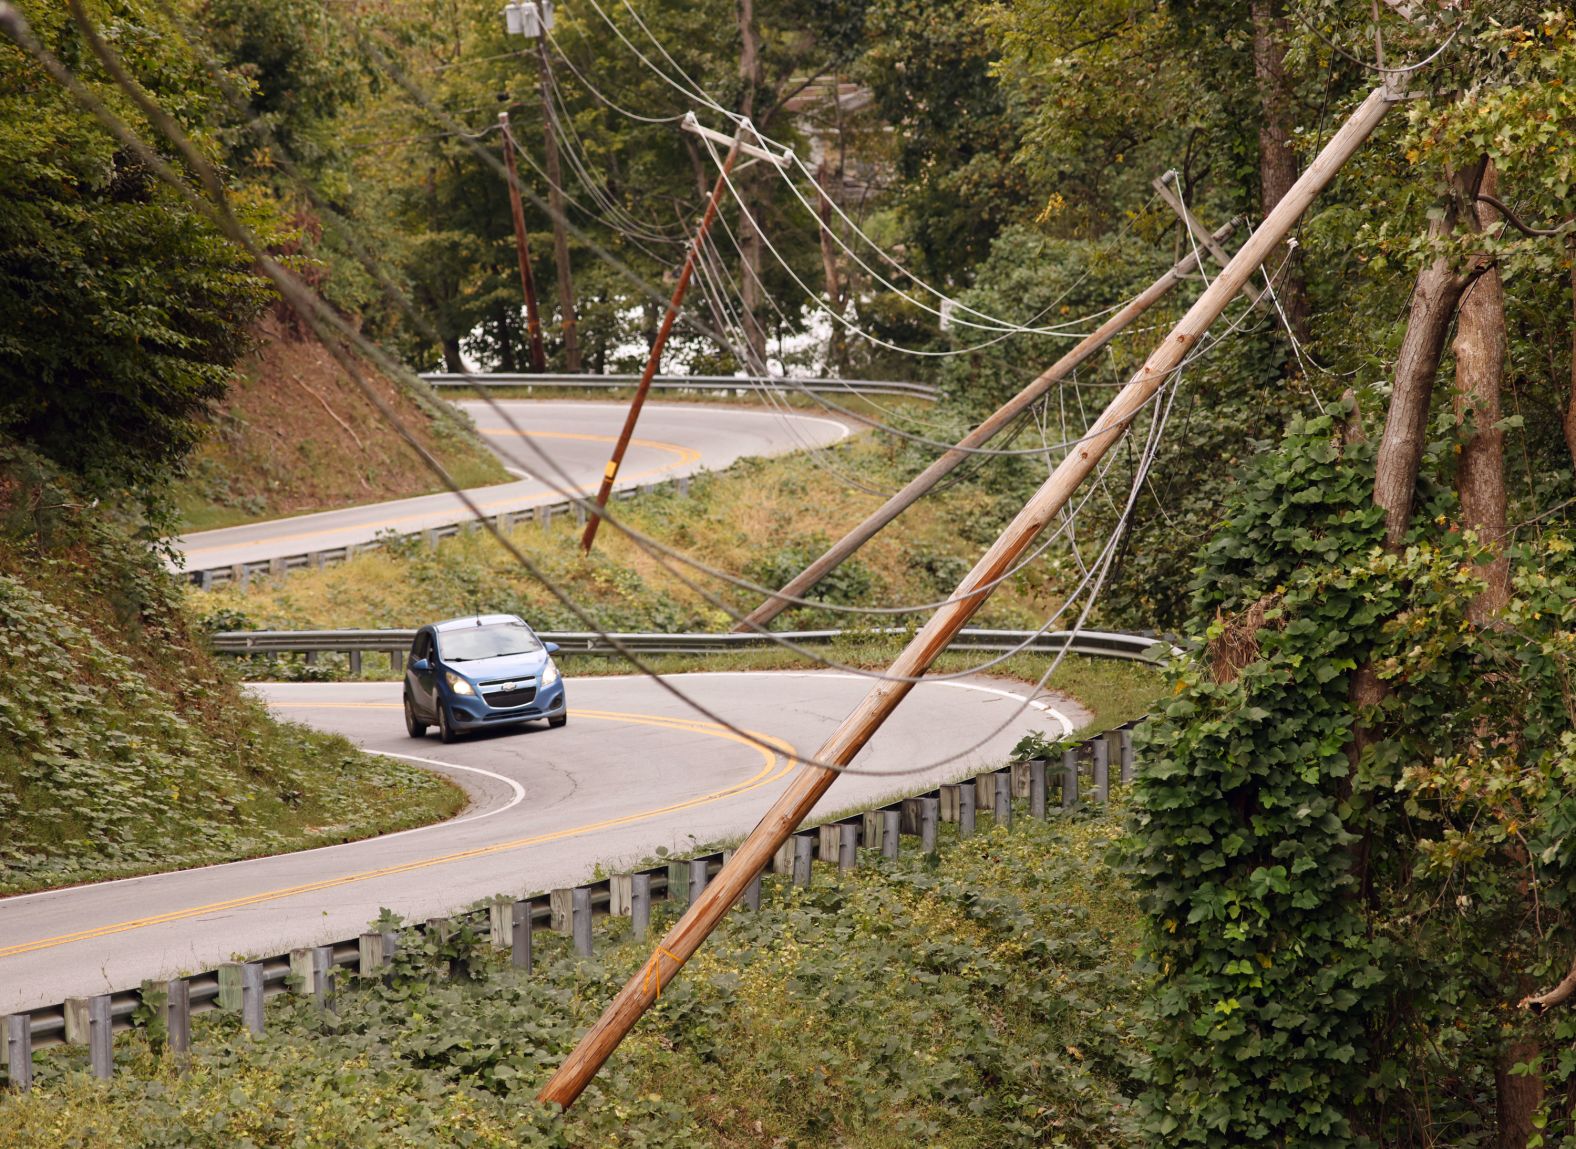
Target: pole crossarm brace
column 920, row 484
column 814, row 777
column 1191, row 222
column 695, row 127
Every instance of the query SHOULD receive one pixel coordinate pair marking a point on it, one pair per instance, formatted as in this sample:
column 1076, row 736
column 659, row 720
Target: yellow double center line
column 773, row 767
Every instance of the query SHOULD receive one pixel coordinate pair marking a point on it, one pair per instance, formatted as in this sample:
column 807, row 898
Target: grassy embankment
column 124, row 747
column 764, row 518
column 985, row 1001
column 294, row 435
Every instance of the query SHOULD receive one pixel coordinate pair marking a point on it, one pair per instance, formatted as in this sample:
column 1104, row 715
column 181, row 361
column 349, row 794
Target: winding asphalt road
column 634, row 770
column 671, row 440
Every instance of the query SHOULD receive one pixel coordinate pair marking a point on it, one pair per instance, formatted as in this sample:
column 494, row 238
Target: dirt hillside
column 296, row 435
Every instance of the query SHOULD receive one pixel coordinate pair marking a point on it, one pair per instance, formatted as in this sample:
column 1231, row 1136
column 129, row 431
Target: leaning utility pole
column 533, row 321
column 555, row 200
column 920, row 484
column 813, row 778
column 654, row 359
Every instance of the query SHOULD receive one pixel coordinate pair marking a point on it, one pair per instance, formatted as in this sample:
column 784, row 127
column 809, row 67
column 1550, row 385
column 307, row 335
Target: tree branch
column 1537, row 1004
column 1525, row 229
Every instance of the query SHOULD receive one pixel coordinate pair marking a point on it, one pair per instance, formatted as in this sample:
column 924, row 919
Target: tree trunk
column 1570, row 409
column 1277, row 161
column 506, row 360
column 1434, row 299
column 1517, row 1098
column 750, row 245
column 1480, row 370
column 837, row 349
column 452, row 363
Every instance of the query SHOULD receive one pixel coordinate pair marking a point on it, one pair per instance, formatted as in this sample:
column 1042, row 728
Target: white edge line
column 519, row 796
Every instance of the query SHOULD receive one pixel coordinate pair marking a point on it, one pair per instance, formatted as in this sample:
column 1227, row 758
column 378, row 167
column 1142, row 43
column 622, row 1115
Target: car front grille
column 516, row 697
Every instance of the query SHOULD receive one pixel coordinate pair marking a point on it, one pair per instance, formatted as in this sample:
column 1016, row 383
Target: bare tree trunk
column 1434, row 299
column 452, row 363
column 1480, row 371
column 1570, row 410
column 1517, row 1097
column 837, row 353
column 1277, row 161
column 750, row 245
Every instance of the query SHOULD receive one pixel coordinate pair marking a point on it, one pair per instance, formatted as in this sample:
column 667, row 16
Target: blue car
column 482, row 670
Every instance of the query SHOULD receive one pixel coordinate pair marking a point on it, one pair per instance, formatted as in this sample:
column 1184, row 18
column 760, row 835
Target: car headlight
column 459, row 685
column 549, row 673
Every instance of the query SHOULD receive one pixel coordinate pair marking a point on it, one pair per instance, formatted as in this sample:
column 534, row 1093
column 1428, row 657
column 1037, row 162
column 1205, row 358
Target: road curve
column 633, row 770
column 671, row 440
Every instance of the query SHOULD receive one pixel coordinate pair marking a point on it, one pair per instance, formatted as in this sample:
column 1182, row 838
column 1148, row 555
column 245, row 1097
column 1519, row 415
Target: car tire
column 412, row 727
column 555, row 723
column 446, row 730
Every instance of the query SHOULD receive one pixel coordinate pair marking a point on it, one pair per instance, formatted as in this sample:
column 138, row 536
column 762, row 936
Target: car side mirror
column 420, row 664
column 551, row 647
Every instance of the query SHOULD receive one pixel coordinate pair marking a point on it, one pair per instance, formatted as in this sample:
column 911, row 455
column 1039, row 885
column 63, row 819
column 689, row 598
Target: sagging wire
column 329, row 328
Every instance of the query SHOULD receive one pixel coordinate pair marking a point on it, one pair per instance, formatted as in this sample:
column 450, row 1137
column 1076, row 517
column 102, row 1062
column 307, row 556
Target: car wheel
column 446, row 730
column 412, row 727
column 555, row 723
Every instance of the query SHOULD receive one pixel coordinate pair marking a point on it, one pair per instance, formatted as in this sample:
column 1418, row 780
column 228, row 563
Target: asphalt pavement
column 634, row 770
column 553, row 445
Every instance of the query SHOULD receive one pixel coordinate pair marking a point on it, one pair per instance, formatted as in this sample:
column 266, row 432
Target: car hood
column 505, row 666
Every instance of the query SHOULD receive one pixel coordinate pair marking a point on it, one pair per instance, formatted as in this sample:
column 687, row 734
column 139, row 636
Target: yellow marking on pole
column 774, row 768
column 654, row 970
column 612, row 469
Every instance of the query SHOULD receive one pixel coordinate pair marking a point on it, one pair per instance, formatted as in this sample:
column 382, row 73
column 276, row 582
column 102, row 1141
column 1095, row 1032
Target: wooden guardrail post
column 1002, row 811
column 966, row 795
column 1069, row 778
column 1037, row 788
column 560, row 910
column 1102, row 774
column 949, row 801
column 828, row 841
column 620, row 889
column 929, row 814
column 1125, row 742
column 19, row 1051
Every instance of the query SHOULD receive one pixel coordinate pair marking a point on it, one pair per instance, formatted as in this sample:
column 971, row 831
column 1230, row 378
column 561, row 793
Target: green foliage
column 1338, row 923
column 121, row 309
column 984, row 1002
column 123, row 747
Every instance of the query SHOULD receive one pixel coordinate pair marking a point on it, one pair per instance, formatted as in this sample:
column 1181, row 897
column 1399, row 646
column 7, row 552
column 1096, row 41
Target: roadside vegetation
column 763, row 518
column 124, row 747
column 985, row 1000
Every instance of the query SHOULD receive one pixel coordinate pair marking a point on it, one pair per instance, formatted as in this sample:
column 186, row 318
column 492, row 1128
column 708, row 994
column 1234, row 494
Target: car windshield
column 493, row 641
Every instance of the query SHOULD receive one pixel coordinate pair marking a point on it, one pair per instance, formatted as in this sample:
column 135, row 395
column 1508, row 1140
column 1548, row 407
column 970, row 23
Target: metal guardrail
column 543, row 513
column 243, row 986
column 741, row 385
column 1105, row 644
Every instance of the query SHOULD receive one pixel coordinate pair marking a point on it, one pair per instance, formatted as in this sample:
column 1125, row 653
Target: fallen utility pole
column 812, row 781
column 555, row 200
column 654, row 359
column 920, row 484
column 533, row 320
